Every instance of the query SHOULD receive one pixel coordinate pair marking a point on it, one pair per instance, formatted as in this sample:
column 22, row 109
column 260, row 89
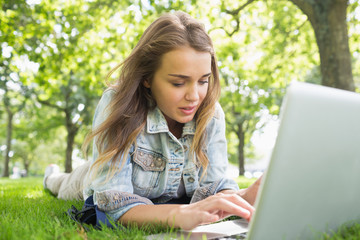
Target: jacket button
column 158, row 162
column 191, row 180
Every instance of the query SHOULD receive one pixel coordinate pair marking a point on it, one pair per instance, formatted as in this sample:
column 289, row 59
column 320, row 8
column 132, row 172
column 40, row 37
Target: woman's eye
column 202, row 82
column 177, row 84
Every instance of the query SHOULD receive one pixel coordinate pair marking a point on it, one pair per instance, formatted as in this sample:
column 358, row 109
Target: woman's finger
column 231, row 204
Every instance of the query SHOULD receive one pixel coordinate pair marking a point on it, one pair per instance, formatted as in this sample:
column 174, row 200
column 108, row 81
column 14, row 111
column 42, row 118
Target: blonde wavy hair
column 132, row 101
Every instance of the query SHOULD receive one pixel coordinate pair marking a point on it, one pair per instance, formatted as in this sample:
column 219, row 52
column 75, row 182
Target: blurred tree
column 34, row 127
column 252, row 67
column 281, row 42
column 14, row 102
column 72, row 57
column 13, row 48
column 62, row 50
column 329, row 21
column 354, row 39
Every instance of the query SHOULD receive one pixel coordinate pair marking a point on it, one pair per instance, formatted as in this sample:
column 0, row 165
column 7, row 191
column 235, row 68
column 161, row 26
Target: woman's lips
column 188, row 110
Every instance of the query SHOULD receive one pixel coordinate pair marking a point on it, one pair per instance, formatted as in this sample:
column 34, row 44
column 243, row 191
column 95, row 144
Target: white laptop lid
column 312, row 181
column 311, row 184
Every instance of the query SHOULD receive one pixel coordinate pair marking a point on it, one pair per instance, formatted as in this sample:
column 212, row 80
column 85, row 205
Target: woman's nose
column 192, row 94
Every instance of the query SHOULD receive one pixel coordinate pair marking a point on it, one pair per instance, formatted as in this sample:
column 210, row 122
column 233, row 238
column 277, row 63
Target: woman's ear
column 146, row 83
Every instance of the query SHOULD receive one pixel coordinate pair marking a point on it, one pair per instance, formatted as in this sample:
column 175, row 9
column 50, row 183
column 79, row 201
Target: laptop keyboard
column 236, row 236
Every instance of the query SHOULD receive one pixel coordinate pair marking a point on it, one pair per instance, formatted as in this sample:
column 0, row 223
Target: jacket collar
column 156, row 123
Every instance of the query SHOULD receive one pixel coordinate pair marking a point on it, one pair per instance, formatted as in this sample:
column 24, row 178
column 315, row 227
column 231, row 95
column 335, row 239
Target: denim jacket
column 160, row 164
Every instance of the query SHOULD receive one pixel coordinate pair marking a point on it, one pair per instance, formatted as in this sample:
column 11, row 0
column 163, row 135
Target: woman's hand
column 188, row 216
column 209, row 210
column 249, row 194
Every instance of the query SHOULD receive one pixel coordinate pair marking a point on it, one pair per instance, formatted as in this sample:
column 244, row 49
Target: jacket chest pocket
column 147, row 169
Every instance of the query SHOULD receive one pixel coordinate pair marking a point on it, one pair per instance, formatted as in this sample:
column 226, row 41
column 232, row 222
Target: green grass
column 29, row 212
column 244, row 182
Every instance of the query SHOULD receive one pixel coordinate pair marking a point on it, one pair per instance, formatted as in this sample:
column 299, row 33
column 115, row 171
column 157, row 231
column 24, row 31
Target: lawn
column 29, row 212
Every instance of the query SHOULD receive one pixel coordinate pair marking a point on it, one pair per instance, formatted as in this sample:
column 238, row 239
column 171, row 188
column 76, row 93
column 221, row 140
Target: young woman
column 159, row 136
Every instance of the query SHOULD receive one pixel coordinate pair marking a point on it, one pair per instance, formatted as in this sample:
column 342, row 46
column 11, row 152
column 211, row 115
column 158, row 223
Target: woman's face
column 180, row 84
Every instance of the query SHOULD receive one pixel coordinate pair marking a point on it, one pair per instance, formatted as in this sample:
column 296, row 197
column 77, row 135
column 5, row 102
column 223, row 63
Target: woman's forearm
column 145, row 214
column 189, row 216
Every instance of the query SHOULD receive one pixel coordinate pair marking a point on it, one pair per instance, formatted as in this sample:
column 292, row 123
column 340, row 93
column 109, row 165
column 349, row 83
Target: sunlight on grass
column 244, row 182
column 35, row 194
column 29, row 212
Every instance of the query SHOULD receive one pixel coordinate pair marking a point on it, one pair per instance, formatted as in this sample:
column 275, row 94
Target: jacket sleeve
column 112, row 195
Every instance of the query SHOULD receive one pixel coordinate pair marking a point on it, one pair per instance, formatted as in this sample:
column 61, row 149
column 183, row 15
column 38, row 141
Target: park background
column 55, row 55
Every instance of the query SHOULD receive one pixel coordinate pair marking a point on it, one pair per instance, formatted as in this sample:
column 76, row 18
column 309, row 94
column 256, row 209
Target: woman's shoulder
column 217, row 124
column 110, row 91
column 107, row 96
column 102, row 111
column 219, row 112
column 218, row 118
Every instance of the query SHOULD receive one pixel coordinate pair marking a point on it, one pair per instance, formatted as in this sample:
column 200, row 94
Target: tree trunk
column 70, row 140
column 69, row 149
column 241, row 137
column 8, row 142
column 27, row 166
column 328, row 19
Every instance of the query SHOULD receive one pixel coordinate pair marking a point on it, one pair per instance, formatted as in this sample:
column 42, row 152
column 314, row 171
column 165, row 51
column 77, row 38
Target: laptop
column 311, row 185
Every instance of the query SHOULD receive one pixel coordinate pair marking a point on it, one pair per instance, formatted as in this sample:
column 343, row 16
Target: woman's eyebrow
column 187, row 77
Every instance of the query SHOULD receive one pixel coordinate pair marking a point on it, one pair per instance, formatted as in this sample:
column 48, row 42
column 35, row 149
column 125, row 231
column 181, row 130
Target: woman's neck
column 175, row 127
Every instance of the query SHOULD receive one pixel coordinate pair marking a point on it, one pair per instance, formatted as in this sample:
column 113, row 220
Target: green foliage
column 254, row 76
column 354, row 39
column 55, row 56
